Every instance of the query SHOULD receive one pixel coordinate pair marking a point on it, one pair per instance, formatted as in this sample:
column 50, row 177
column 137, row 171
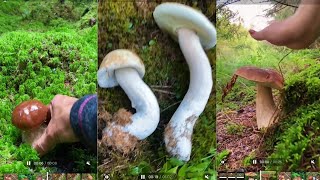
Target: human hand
column 59, row 129
column 295, row 32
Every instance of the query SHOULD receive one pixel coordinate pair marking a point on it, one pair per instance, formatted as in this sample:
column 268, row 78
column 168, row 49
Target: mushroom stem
column 147, row 115
column 266, row 107
column 30, row 136
column 180, row 128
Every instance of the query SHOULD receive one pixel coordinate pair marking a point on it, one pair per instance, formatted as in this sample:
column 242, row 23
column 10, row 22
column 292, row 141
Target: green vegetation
column 233, row 129
column 43, row 52
column 222, row 155
column 295, row 138
column 130, row 25
column 247, row 161
column 298, row 136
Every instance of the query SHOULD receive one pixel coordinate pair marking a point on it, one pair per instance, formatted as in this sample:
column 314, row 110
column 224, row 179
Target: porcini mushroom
column 30, row 116
column 266, row 79
column 125, row 68
column 194, row 32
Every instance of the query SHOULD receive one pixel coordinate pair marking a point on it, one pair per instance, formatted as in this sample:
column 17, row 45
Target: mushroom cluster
column 125, row 68
column 194, row 32
column 31, row 117
column 266, row 80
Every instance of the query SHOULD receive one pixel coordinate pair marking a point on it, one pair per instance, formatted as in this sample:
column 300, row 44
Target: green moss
column 36, row 15
column 302, row 87
column 298, row 139
column 234, row 129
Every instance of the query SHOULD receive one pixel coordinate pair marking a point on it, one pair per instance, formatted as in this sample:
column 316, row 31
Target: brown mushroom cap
column 30, row 114
column 265, row 77
column 251, row 174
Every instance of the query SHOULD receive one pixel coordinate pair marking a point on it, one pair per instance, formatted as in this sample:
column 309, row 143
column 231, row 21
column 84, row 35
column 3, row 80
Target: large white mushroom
column 125, row 68
column 194, row 32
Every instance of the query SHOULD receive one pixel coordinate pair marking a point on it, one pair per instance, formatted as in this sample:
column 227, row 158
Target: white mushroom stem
column 180, row 128
column 265, row 106
column 147, row 115
column 30, row 136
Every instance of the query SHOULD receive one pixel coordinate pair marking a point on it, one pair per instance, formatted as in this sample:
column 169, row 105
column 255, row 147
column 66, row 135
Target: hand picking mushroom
column 31, row 116
column 194, row 32
column 266, row 79
column 125, row 68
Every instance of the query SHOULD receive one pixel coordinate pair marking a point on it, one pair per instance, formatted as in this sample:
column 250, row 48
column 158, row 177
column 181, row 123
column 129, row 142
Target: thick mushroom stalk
column 180, row 128
column 266, row 79
column 124, row 133
column 193, row 32
column 266, row 109
column 147, row 115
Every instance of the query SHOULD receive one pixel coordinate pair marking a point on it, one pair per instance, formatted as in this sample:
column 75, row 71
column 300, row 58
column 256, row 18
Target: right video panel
column 268, row 78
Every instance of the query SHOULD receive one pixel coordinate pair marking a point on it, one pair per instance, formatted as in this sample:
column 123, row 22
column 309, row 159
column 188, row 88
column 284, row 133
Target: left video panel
column 48, row 64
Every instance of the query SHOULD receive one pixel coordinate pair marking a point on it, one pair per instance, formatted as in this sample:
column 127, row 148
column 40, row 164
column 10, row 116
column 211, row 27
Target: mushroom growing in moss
column 31, row 117
column 194, row 32
column 125, row 68
column 266, row 79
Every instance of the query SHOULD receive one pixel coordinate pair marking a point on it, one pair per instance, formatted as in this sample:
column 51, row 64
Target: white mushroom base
column 178, row 138
column 141, row 124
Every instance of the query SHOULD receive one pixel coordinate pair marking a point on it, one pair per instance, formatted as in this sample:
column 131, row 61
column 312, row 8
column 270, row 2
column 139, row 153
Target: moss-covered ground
column 130, row 25
column 46, row 48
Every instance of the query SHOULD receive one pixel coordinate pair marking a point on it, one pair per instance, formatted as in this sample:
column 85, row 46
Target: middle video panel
column 156, row 109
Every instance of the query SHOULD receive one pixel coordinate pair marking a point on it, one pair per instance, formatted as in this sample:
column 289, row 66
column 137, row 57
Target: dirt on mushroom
column 122, row 117
column 104, row 117
column 172, row 141
column 122, row 141
column 190, row 120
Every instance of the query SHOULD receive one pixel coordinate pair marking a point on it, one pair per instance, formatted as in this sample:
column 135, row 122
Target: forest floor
column 237, row 132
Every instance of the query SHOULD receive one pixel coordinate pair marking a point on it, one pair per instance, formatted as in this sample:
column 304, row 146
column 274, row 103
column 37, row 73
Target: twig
column 281, row 61
column 238, row 81
column 159, row 86
column 279, row 2
column 228, row 117
column 104, row 164
column 168, row 107
column 163, row 91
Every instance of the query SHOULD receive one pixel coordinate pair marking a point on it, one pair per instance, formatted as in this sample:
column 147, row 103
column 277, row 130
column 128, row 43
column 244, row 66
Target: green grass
column 234, row 129
column 247, row 161
column 42, row 53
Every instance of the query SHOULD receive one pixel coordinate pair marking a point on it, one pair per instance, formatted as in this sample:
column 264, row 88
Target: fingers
column 276, row 33
column 45, row 143
column 259, row 36
column 271, row 33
